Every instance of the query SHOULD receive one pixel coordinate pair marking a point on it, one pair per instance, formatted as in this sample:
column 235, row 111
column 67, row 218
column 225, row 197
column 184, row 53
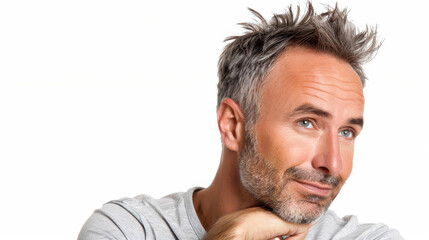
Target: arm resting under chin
column 257, row 224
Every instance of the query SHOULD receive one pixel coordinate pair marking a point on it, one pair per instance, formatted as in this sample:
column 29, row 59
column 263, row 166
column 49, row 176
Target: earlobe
column 231, row 122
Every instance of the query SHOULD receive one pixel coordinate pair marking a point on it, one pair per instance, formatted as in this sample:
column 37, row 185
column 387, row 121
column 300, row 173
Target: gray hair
column 246, row 60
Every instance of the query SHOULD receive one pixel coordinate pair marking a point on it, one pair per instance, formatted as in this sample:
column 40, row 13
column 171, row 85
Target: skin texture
column 304, row 126
column 311, row 111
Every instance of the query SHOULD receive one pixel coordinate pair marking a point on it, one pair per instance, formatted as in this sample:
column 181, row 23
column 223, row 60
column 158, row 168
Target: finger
column 266, row 225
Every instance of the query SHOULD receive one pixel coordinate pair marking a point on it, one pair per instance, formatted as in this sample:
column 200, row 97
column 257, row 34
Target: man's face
column 300, row 151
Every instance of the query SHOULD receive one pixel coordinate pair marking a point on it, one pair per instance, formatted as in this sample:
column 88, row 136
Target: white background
column 105, row 99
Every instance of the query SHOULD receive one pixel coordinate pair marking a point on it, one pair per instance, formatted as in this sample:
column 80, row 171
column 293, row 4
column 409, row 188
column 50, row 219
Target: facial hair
column 269, row 187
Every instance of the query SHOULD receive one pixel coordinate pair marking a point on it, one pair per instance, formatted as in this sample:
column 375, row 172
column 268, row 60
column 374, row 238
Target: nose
column 328, row 156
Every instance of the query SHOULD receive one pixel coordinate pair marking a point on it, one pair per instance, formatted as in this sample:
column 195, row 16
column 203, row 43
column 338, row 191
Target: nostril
column 324, row 169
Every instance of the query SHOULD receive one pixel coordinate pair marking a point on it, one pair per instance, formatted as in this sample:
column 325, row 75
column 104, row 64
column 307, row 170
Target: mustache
column 312, row 176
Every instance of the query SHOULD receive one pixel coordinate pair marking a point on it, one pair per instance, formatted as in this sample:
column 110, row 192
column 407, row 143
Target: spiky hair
column 247, row 58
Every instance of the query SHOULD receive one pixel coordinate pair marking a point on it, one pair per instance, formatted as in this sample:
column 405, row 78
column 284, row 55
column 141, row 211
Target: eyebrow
column 308, row 108
column 356, row 121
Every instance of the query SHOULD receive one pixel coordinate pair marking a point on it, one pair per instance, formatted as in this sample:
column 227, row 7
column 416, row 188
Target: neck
column 225, row 195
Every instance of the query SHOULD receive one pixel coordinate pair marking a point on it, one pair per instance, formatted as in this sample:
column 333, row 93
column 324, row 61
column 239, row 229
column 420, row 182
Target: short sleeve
column 386, row 233
column 111, row 222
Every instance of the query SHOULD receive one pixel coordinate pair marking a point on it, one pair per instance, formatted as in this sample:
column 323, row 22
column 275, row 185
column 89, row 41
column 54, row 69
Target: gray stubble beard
column 259, row 177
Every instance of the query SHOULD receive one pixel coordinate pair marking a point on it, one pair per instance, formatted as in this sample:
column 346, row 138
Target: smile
column 314, row 188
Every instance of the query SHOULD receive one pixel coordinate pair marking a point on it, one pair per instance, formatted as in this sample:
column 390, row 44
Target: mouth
column 315, row 188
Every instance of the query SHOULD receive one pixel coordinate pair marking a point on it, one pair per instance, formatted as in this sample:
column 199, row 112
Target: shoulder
column 111, row 222
column 132, row 218
column 330, row 226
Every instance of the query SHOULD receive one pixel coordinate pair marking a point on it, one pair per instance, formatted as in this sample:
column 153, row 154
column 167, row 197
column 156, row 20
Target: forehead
column 301, row 75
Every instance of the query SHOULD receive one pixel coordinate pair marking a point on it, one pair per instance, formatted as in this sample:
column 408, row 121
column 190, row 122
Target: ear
column 230, row 120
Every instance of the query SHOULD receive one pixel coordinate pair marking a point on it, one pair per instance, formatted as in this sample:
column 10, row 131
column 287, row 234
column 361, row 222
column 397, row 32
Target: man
column 290, row 105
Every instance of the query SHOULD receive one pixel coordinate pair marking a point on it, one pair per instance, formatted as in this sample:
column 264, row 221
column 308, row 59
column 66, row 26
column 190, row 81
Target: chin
column 300, row 209
column 300, row 212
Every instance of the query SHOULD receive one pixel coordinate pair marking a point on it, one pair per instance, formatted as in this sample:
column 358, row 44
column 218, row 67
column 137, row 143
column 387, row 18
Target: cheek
column 285, row 148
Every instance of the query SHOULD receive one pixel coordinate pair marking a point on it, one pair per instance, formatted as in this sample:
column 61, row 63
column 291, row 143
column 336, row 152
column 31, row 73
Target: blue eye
column 346, row 133
column 305, row 123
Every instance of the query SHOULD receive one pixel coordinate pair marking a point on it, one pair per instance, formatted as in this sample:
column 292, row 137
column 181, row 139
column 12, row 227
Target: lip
column 315, row 188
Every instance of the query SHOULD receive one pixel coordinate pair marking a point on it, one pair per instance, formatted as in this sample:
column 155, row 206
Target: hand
column 257, row 224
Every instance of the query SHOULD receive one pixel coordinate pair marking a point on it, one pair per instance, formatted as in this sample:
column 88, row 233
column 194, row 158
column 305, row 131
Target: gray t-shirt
column 174, row 217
